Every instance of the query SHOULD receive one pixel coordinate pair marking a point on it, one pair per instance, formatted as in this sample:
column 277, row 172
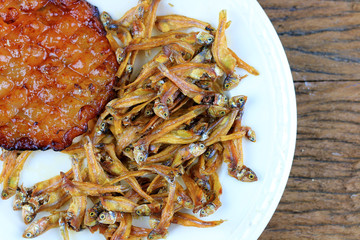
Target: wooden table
column 322, row 42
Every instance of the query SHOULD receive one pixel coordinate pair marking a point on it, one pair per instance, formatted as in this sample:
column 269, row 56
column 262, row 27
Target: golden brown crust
column 57, row 71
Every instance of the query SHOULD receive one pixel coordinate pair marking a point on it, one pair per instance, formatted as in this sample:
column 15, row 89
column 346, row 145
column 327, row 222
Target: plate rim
column 267, row 215
column 292, row 107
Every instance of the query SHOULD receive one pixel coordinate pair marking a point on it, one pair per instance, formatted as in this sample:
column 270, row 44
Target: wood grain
column 322, row 197
column 322, row 41
column 321, row 38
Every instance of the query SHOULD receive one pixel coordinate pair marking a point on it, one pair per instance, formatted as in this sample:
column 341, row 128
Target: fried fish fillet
column 57, row 72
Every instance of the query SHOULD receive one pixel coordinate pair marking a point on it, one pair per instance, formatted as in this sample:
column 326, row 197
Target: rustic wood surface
column 322, row 42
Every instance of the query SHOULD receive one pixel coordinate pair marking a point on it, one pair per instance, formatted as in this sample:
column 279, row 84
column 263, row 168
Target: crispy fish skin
column 157, row 147
column 57, row 72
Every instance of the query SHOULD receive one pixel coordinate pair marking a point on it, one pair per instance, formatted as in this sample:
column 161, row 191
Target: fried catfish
column 57, row 71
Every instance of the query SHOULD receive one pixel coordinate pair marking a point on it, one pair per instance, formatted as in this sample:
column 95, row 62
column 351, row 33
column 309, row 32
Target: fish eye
column 120, row 59
column 111, row 118
column 201, row 145
column 168, row 101
column 112, row 26
column 102, row 216
column 28, row 235
column 4, row 194
column 28, row 219
column 226, row 85
column 92, row 214
column 141, row 158
column 207, row 154
column 127, row 149
column 103, row 126
column 251, row 176
column 222, row 113
column 129, row 68
column 138, row 212
column 165, row 114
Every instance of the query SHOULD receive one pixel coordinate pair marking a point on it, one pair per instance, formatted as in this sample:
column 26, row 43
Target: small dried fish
column 118, row 204
column 220, row 51
column 124, row 229
column 176, row 22
column 42, row 225
column 91, row 215
column 76, row 211
column 161, row 229
column 11, row 180
column 157, row 147
column 188, row 89
column 76, row 188
column 9, row 158
column 188, row 220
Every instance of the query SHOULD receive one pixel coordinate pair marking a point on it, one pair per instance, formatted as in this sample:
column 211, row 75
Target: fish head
column 196, row 149
column 238, row 101
column 105, row 19
column 247, row 175
column 143, row 210
column 140, row 154
column 205, row 38
column 250, row 134
column 207, row 210
column 90, row 218
column 107, row 217
column 221, row 100
column 218, row 111
column 7, row 193
column 161, row 110
column 28, row 213
column 230, row 82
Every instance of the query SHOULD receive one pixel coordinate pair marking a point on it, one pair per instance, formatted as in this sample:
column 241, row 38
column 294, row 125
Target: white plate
column 270, row 111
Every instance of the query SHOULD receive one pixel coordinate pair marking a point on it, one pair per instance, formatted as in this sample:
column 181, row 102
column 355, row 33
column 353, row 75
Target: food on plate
column 156, row 148
column 11, row 179
column 57, row 72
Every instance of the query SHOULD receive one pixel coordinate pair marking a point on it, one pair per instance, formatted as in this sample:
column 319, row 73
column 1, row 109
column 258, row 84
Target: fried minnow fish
column 57, row 72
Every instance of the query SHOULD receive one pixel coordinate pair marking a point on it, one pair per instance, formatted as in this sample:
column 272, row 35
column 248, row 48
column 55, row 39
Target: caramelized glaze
column 56, row 72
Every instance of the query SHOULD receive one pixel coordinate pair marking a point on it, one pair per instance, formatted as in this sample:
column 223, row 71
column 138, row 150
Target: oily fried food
column 57, row 71
column 157, row 147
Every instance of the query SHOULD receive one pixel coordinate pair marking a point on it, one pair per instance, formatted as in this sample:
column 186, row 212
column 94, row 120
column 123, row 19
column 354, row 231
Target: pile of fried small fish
column 157, row 147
